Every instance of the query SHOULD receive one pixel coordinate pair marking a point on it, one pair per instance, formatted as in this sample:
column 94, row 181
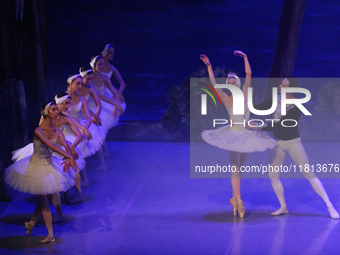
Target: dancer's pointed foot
column 240, row 209
column 281, row 211
column 58, row 218
column 29, row 227
column 48, row 239
column 77, row 199
column 233, row 202
column 102, row 167
column 334, row 214
column 85, row 183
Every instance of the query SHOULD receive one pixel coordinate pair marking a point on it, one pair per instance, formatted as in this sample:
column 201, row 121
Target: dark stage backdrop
column 157, row 43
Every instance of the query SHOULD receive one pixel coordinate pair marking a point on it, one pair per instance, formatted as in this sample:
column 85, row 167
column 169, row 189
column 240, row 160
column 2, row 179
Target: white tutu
column 238, row 138
column 106, row 115
column 249, row 141
column 108, row 108
column 87, row 147
column 28, row 150
column 39, row 174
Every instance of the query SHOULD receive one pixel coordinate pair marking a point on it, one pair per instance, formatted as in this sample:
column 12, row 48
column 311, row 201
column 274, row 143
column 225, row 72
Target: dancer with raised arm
column 37, row 174
column 289, row 141
column 237, row 139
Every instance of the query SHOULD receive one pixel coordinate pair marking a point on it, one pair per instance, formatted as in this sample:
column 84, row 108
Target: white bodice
column 42, row 154
column 76, row 111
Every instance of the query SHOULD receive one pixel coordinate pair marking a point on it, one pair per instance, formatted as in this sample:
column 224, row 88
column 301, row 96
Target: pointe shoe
column 241, row 210
column 281, row 211
column 48, row 239
column 76, row 199
column 234, row 205
column 334, row 214
column 29, row 228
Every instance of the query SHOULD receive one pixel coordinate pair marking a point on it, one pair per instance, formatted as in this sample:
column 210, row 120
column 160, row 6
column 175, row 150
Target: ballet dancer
column 60, row 123
column 78, row 110
column 107, row 52
column 107, row 92
column 289, row 141
column 63, row 101
column 38, row 175
column 238, row 140
column 105, row 111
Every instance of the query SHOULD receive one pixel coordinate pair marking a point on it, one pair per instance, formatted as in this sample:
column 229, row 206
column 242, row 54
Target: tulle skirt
column 35, row 179
column 106, row 115
column 87, row 147
column 244, row 141
column 108, row 108
column 27, row 151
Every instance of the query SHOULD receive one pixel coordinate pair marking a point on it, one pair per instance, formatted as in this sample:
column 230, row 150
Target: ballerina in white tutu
column 107, row 52
column 60, row 123
column 107, row 92
column 238, row 140
column 109, row 95
column 79, row 111
column 37, row 174
column 63, row 101
column 102, row 111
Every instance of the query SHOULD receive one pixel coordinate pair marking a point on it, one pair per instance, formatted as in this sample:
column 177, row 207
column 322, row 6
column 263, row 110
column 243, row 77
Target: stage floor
column 146, row 203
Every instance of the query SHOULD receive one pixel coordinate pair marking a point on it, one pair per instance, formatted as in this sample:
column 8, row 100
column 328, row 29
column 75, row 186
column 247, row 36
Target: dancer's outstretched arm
column 224, row 97
column 247, row 68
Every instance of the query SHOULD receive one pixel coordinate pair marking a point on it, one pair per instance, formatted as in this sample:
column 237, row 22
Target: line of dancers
column 240, row 141
column 72, row 127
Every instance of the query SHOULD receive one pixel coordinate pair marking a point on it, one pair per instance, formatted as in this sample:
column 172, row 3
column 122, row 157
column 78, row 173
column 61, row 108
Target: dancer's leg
column 84, row 180
column 36, row 215
column 105, row 150
column 243, row 160
column 45, row 201
column 79, row 197
column 236, row 201
column 235, row 158
column 102, row 166
column 300, row 157
column 276, row 158
column 58, row 208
